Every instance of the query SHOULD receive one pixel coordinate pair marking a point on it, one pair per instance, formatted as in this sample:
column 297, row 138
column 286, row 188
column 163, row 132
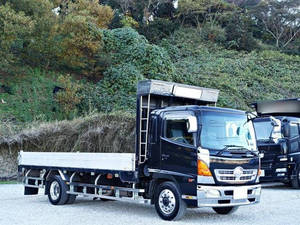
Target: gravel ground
column 279, row 205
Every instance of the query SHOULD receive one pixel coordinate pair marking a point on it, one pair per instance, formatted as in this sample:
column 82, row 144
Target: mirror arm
column 270, row 136
column 251, row 116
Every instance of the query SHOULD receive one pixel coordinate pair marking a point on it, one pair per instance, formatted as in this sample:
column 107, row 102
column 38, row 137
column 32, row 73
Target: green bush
column 119, row 39
column 116, row 20
column 128, row 21
column 31, row 98
column 158, row 29
column 213, row 32
column 238, row 33
column 116, row 91
column 125, row 45
column 132, row 59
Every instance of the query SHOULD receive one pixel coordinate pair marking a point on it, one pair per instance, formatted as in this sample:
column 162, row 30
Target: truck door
column 178, row 146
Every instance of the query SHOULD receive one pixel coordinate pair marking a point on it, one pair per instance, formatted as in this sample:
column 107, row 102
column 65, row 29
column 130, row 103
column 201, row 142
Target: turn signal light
column 259, row 172
column 203, row 169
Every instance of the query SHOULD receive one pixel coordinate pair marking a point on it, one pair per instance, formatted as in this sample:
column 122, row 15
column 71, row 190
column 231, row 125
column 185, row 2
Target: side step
column 100, row 190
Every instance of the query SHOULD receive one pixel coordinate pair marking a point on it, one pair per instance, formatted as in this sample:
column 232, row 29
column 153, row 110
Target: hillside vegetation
column 62, row 60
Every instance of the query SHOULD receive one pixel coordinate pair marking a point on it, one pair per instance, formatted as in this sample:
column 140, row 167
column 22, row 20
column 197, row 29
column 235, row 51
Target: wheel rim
column 167, row 201
column 54, row 190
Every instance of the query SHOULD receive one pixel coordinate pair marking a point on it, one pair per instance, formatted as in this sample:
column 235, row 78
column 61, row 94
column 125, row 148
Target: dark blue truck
column 188, row 154
column 278, row 138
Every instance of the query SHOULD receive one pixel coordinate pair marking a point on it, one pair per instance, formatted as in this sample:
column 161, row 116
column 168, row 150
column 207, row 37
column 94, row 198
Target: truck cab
column 277, row 130
column 210, row 152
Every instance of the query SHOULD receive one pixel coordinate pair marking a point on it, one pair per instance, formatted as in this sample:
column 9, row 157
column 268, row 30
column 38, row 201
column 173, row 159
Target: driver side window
column 177, row 130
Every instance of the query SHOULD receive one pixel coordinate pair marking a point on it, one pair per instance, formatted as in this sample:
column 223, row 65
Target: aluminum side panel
column 101, row 161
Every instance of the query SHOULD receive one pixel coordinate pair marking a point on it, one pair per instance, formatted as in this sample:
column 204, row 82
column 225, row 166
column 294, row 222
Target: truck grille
column 234, row 176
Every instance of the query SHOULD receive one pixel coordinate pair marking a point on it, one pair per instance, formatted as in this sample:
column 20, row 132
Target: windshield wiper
column 264, row 139
column 227, row 147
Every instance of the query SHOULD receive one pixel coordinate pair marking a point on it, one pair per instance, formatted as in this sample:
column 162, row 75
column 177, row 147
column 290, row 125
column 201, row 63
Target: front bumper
column 226, row 196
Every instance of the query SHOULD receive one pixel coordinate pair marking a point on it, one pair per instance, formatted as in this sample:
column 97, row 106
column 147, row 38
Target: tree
column 31, row 33
column 280, row 19
column 124, row 5
column 80, row 34
column 238, row 32
column 244, row 3
column 15, row 29
column 199, row 11
column 68, row 98
column 43, row 46
column 145, row 10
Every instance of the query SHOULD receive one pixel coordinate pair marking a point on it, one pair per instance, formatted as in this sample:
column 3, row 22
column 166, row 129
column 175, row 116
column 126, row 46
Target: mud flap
column 31, row 191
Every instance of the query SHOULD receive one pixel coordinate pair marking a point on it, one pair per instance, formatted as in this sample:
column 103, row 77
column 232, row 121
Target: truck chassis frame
column 99, row 191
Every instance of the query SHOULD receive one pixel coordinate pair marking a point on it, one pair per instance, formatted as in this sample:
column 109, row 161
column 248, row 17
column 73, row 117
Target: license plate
column 262, row 173
column 240, row 193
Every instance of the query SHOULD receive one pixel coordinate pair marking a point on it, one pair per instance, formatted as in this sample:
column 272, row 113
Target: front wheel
column 225, row 210
column 168, row 202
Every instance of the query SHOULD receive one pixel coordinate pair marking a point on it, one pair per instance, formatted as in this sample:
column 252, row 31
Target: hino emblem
column 238, row 172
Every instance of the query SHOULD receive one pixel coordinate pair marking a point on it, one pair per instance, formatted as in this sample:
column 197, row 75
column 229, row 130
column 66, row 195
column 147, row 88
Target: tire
column 168, row 202
column 288, row 183
column 105, row 199
column 225, row 210
column 296, row 181
column 57, row 191
column 71, row 199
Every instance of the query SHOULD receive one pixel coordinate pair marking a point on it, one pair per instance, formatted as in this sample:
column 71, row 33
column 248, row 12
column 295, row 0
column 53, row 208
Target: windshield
column 225, row 130
column 263, row 129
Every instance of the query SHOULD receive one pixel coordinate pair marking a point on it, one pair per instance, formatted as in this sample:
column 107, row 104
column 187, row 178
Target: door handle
column 164, row 156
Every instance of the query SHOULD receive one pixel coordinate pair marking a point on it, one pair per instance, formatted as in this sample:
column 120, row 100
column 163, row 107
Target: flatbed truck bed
column 78, row 160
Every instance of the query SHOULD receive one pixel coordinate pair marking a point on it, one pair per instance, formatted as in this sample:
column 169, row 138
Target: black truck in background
column 277, row 130
column 188, row 154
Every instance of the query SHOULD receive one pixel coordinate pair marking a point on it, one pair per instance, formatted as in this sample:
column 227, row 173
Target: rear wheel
column 57, row 191
column 225, row 210
column 168, row 202
column 296, row 181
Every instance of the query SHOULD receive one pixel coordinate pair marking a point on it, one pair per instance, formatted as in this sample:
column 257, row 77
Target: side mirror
column 192, row 125
column 275, row 134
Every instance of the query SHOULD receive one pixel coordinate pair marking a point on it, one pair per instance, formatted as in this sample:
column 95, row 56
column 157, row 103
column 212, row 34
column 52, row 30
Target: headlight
column 212, row 193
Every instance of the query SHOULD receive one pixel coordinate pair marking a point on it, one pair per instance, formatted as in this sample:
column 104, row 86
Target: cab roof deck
column 170, row 93
column 283, row 107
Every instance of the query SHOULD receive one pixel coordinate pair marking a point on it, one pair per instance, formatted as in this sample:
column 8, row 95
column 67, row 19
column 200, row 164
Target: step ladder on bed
column 144, row 127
